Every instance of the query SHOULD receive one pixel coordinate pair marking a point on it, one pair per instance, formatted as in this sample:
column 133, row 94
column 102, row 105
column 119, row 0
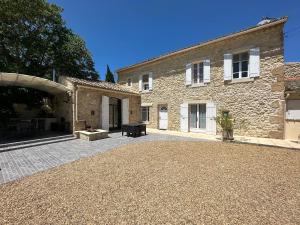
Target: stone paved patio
column 23, row 162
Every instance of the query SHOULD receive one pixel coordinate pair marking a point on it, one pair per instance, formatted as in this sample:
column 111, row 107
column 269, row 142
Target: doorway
column 163, row 117
column 114, row 114
column 198, row 117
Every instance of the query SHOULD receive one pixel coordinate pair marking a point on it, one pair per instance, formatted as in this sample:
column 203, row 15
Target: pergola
column 22, row 80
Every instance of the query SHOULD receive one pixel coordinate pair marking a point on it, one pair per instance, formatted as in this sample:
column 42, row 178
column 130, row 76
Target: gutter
column 107, row 90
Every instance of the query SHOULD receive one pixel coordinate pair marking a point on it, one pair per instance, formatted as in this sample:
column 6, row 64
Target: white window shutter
column 140, row 83
column 105, row 112
column 206, row 70
column 227, row 66
column 211, row 114
column 254, row 62
column 125, row 111
column 150, row 81
column 184, row 117
column 188, row 74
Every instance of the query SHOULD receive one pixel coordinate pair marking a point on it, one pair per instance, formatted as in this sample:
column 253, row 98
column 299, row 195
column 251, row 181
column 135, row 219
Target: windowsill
column 198, row 130
column 198, row 85
column 145, row 122
column 241, row 80
column 146, row 91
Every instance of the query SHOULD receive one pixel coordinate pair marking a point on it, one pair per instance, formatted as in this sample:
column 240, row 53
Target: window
column 145, row 81
column 240, row 65
column 198, row 73
column 129, row 82
column 145, row 114
column 198, row 116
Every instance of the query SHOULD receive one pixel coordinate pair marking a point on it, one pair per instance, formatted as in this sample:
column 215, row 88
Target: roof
column 101, row 85
column 22, row 80
column 222, row 38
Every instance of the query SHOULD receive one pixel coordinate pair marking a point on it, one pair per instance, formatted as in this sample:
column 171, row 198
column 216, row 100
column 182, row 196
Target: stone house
column 185, row 90
column 241, row 72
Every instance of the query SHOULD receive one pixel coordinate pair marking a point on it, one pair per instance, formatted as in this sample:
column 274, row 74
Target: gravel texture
column 162, row 183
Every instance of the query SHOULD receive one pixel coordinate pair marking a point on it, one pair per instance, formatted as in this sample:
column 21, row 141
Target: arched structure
column 22, row 80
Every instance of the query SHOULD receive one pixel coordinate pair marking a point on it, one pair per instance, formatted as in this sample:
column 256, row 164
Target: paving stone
column 22, row 162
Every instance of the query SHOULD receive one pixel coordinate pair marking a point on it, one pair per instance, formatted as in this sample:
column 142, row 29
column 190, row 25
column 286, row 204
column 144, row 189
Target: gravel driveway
column 26, row 161
column 162, row 183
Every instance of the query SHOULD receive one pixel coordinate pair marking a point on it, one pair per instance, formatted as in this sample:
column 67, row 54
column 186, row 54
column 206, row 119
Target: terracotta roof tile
column 101, row 84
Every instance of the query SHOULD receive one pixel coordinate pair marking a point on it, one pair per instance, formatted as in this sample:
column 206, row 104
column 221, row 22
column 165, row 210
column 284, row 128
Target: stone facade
column 257, row 103
column 292, row 79
column 86, row 101
column 292, row 70
column 94, row 99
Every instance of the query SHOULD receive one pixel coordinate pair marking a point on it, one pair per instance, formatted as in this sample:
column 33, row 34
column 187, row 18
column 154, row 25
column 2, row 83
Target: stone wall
column 89, row 99
column 292, row 78
column 292, row 70
column 63, row 108
column 258, row 103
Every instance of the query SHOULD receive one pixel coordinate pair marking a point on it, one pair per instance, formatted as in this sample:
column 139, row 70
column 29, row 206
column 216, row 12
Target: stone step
column 35, row 142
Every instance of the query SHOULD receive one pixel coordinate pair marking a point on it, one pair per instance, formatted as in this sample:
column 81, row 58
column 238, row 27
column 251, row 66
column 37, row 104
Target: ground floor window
column 198, row 116
column 145, row 114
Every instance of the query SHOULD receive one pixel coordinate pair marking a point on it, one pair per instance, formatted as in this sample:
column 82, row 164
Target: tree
column 109, row 77
column 34, row 39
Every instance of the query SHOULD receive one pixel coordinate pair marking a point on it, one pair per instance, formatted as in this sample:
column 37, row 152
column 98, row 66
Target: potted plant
column 226, row 122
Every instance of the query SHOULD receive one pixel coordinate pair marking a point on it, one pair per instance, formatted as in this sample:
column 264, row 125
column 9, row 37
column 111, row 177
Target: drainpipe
column 76, row 104
column 74, row 107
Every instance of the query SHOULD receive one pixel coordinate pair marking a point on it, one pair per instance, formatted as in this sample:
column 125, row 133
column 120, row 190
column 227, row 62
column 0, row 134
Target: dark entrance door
column 114, row 114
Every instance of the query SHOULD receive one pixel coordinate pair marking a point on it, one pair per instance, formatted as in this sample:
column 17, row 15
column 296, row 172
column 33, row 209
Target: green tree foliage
column 34, row 39
column 109, row 77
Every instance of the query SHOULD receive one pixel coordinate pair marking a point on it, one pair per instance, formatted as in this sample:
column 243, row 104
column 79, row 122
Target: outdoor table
column 134, row 129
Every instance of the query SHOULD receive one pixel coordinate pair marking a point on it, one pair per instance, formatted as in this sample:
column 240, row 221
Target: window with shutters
column 145, row 114
column 198, row 116
column 145, row 82
column 198, row 73
column 240, row 64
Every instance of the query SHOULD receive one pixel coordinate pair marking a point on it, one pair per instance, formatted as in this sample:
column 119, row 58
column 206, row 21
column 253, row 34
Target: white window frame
column 145, row 83
column 197, row 128
column 240, row 65
column 147, row 109
column 198, row 72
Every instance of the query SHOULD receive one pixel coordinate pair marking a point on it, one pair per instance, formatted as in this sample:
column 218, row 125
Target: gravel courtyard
column 163, row 182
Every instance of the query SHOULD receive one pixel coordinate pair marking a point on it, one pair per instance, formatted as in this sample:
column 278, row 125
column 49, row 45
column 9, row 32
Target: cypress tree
column 109, row 77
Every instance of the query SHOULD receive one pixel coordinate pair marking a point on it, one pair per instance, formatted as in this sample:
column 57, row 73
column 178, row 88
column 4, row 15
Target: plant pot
column 227, row 135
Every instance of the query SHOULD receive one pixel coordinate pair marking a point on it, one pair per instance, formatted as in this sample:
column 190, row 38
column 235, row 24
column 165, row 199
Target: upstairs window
column 145, row 81
column 129, row 82
column 240, row 64
column 198, row 74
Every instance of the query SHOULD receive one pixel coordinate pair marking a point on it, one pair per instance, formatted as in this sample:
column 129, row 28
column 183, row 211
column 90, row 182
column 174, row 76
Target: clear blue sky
column 120, row 32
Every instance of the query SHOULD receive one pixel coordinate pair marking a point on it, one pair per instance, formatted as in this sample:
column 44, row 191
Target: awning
column 22, row 80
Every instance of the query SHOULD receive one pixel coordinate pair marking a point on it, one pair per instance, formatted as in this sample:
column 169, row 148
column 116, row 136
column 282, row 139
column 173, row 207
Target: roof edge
column 218, row 39
column 79, row 82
